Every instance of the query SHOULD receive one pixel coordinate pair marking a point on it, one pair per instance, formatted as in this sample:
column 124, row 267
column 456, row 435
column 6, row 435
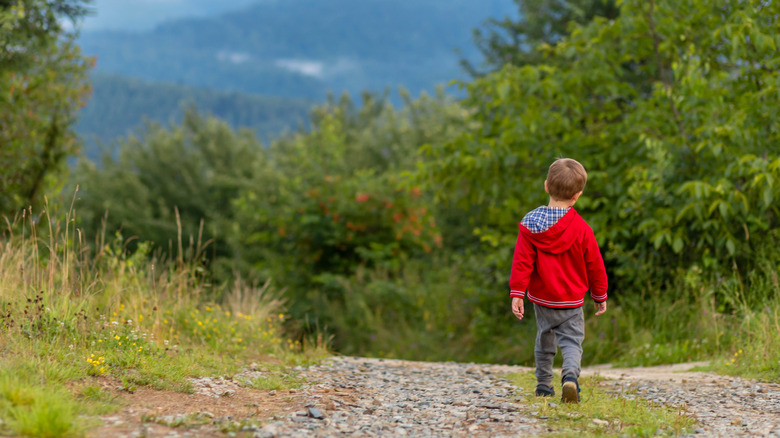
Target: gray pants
column 564, row 328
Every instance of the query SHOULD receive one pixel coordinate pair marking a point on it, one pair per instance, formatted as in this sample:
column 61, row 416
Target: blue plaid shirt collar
column 543, row 218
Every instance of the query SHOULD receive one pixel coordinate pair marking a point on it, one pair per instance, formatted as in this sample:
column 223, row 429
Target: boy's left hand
column 601, row 308
column 518, row 308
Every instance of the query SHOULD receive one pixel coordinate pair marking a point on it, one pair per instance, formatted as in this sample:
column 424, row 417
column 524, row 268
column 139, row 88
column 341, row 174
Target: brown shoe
column 570, row 392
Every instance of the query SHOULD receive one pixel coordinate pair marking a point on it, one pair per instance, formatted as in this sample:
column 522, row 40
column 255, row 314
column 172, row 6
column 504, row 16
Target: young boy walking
column 556, row 262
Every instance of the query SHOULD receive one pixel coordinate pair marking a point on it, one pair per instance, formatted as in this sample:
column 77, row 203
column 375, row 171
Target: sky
column 141, row 15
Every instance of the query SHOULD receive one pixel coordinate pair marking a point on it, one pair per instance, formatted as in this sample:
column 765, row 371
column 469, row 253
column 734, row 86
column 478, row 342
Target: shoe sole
column 569, row 393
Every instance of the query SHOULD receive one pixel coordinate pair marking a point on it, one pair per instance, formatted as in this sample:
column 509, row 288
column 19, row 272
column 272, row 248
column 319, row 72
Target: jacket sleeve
column 522, row 267
column 597, row 274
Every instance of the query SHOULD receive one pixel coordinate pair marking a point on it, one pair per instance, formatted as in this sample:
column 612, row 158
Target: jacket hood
column 558, row 238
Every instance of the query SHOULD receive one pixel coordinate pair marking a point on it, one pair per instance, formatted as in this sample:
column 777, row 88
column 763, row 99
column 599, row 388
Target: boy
column 557, row 260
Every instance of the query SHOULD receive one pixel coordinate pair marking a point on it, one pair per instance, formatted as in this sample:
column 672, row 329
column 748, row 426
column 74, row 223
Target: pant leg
column 570, row 334
column 545, row 347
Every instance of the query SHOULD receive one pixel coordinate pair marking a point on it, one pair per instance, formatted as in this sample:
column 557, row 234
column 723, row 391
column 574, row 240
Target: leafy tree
column 171, row 186
column 42, row 85
column 507, row 41
column 30, row 26
column 332, row 198
column 683, row 165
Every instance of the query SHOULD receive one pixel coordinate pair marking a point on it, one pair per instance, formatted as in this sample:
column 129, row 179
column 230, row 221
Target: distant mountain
column 120, row 105
column 304, row 48
column 141, row 15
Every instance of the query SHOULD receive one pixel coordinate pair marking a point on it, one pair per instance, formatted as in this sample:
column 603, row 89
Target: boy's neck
column 560, row 204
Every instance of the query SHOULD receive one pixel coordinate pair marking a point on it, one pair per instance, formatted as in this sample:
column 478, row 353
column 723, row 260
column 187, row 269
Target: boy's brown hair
column 566, row 178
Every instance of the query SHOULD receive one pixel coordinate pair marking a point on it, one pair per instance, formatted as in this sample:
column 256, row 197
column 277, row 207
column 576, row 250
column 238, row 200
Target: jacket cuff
column 599, row 298
column 517, row 294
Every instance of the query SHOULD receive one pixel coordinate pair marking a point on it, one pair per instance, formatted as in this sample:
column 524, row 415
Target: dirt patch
column 153, row 413
column 672, row 373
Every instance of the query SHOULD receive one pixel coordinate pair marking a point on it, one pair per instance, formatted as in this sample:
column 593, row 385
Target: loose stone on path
column 403, row 398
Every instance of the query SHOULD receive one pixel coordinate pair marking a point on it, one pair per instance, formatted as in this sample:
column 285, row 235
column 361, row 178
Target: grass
column 600, row 413
column 69, row 316
column 277, row 380
column 756, row 354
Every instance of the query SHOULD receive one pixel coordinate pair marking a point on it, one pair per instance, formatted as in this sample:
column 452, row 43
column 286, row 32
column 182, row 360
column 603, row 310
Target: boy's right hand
column 601, row 307
column 517, row 307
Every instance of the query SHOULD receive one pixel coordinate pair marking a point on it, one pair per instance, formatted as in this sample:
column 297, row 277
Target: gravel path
column 400, row 398
column 725, row 406
column 360, row 397
column 376, row 397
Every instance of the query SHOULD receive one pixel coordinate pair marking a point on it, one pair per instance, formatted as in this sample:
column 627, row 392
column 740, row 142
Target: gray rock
column 316, row 413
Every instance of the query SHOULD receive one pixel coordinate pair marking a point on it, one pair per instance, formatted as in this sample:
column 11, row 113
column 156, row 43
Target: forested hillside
column 119, row 105
column 304, row 48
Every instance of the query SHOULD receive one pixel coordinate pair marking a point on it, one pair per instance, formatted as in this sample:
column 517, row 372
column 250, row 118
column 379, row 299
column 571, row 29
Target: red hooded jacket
column 558, row 266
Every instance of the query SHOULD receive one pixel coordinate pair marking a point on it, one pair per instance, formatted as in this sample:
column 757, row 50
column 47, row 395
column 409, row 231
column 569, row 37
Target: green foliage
column 36, row 410
column 429, row 310
column 331, row 199
column 28, row 27
column 665, row 105
column 509, row 41
column 43, row 83
column 119, row 105
column 169, row 186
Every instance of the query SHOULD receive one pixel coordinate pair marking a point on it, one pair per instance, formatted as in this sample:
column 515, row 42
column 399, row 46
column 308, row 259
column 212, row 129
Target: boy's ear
column 577, row 196
column 545, row 187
